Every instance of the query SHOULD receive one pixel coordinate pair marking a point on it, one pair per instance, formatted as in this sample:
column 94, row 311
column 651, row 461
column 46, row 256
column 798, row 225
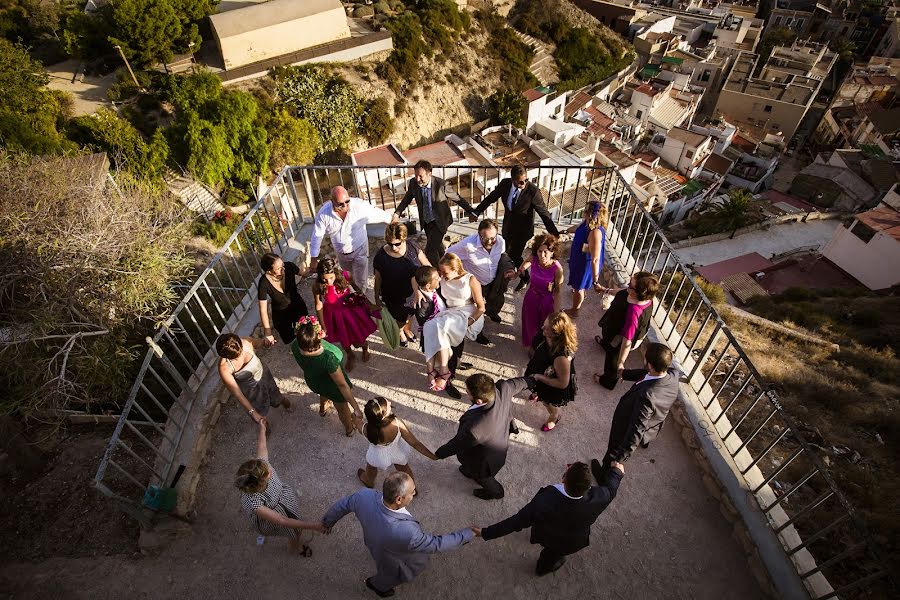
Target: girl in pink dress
column 542, row 297
column 345, row 316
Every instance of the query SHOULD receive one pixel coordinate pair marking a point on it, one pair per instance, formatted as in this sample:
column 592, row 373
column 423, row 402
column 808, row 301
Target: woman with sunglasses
column 395, row 267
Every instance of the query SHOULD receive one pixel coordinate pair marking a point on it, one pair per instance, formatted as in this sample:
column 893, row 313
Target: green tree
column 737, row 211
column 846, row 53
column 377, row 124
column 144, row 30
column 326, row 101
column 29, row 112
column 507, row 107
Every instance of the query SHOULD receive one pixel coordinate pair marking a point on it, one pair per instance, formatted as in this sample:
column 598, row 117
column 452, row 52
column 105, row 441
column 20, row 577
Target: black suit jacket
column 518, row 223
column 558, row 522
column 439, row 203
column 641, row 411
column 482, row 439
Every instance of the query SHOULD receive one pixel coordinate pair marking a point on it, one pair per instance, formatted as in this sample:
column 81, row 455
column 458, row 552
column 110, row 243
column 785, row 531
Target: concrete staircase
column 543, row 66
column 196, row 196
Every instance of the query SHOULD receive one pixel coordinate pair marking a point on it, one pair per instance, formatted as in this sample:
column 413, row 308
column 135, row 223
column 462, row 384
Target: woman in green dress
column 324, row 373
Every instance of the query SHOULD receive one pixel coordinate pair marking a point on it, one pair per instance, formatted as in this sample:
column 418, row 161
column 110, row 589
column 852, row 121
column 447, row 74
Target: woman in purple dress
column 542, row 297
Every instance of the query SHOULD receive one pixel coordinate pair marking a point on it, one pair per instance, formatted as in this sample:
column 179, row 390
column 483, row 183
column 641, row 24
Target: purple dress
column 538, row 303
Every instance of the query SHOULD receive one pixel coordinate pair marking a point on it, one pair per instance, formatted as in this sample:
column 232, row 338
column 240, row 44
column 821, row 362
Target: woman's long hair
column 565, row 337
column 329, row 265
column 376, row 419
column 598, row 215
column 252, row 477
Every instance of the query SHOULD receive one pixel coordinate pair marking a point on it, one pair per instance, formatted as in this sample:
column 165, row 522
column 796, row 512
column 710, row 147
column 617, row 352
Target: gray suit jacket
column 395, row 540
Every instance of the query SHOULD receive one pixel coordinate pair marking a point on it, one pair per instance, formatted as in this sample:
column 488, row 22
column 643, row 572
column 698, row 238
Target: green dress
column 318, row 369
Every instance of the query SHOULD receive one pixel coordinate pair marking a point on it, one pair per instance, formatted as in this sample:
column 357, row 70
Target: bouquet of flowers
column 356, row 299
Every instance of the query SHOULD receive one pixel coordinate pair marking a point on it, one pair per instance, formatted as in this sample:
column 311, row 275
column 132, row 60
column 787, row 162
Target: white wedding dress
column 448, row 328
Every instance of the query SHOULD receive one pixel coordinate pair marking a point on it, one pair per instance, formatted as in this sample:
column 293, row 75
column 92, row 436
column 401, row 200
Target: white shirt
column 402, row 511
column 349, row 233
column 478, row 261
column 562, row 490
column 649, row 377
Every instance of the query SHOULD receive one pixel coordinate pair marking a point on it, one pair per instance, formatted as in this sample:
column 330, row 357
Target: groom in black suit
column 481, row 442
column 640, row 414
column 521, row 199
column 561, row 515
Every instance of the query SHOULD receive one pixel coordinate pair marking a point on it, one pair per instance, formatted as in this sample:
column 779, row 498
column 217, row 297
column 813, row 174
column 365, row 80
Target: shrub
column 363, row 11
column 232, row 196
column 377, row 123
column 219, row 228
column 382, row 7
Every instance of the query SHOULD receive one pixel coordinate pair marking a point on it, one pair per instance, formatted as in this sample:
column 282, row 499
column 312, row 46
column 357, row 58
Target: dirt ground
column 663, row 536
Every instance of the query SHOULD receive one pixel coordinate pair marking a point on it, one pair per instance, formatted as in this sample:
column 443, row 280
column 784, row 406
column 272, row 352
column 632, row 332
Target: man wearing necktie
column 435, row 217
column 521, row 199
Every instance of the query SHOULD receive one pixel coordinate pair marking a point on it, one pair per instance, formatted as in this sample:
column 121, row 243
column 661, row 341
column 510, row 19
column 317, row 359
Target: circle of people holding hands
column 439, row 299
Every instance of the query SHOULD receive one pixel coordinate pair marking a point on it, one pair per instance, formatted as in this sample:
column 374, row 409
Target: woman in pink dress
column 542, row 297
column 346, row 317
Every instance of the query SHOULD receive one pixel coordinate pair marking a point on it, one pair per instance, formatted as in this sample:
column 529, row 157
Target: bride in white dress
column 463, row 316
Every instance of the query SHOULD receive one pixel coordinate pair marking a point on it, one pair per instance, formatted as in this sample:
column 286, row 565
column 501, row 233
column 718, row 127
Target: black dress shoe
column 541, row 571
column 384, row 594
column 522, row 284
column 598, row 470
column 494, row 317
column 452, row 391
column 464, row 366
column 485, row 495
column 483, row 340
column 645, row 444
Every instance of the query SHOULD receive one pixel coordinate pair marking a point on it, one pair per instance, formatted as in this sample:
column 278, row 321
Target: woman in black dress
column 279, row 283
column 553, row 365
column 395, row 266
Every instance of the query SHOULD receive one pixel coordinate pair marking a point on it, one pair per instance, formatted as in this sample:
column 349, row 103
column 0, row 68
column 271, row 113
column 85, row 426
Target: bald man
column 344, row 220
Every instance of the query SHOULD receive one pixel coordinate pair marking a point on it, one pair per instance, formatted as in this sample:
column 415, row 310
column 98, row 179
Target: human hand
column 619, row 371
column 473, row 217
column 476, row 531
column 395, row 218
column 619, row 466
column 509, row 274
column 325, row 529
column 261, row 421
column 269, row 340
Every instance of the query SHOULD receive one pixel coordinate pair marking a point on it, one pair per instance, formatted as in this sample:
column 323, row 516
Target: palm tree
column 738, row 210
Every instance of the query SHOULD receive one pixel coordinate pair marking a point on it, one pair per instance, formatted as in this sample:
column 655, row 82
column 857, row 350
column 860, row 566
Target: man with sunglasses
column 521, row 199
column 344, row 220
column 432, row 202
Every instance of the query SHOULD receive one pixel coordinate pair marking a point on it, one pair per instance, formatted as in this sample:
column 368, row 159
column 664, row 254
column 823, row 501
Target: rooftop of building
column 508, row 151
column 887, row 122
column 686, row 136
column 577, row 102
column 884, row 219
column 256, row 16
column 716, row 163
column 384, row 155
column 537, row 93
column 438, row 153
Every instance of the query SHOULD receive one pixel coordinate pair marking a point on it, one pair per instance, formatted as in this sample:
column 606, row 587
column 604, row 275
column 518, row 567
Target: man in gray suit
column 482, row 439
column 394, row 538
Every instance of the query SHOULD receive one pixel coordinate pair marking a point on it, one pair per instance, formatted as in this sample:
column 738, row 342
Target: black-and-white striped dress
column 277, row 497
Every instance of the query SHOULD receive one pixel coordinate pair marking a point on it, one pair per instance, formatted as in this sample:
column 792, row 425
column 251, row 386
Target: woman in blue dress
column 587, row 254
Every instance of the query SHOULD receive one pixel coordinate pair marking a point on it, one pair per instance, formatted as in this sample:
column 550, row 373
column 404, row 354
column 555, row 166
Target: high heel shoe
column 441, row 381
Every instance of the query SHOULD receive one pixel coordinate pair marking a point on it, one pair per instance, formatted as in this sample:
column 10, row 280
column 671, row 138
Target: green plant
column 219, row 228
column 507, row 107
column 382, row 7
column 363, row 11
column 377, row 124
column 292, row 141
column 232, row 196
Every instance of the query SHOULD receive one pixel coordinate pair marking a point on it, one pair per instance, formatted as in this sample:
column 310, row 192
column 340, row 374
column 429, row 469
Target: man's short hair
column 646, row 285
column 424, row 275
column 517, row 171
column 424, row 165
column 395, row 485
column 487, row 224
column 481, row 387
column 658, row 356
column 578, row 479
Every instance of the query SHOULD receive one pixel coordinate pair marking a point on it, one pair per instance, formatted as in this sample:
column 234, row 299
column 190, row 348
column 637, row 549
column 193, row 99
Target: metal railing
column 821, row 534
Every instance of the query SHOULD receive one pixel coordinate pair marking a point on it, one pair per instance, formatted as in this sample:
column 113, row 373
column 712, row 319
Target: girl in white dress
column 463, row 317
column 389, row 442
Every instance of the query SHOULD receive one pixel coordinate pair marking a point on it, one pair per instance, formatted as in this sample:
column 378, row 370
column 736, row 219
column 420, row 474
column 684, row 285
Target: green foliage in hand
column 29, row 112
column 326, row 101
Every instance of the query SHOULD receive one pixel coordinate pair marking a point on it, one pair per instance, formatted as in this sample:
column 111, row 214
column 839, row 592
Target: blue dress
column 581, row 276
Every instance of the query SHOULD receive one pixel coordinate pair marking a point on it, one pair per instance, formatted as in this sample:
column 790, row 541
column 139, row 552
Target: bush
column 377, row 123
column 219, row 228
column 382, row 7
column 363, row 11
column 232, row 196
column 511, row 55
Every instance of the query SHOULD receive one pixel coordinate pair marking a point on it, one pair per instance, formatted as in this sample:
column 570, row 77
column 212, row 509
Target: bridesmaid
column 587, row 254
column 346, row 322
column 542, row 297
column 278, row 286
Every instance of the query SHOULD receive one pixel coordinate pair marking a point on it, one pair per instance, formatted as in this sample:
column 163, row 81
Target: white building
column 869, row 249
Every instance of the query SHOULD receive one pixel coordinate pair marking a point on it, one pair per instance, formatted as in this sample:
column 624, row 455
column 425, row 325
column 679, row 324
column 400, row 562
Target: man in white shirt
column 483, row 255
column 344, row 220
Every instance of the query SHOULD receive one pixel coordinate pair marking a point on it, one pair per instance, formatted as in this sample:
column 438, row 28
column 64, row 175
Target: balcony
column 773, row 484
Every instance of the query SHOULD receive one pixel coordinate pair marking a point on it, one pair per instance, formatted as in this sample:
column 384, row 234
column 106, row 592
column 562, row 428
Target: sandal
column 323, row 410
column 598, row 378
column 359, row 475
column 546, row 426
column 305, row 551
column 599, row 340
column 441, row 381
column 432, row 377
column 349, row 432
column 533, row 397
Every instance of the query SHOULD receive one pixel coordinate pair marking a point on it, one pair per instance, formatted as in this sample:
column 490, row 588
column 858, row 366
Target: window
column 778, row 20
column 767, row 108
column 862, row 231
column 705, row 75
column 640, row 114
column 689, row 154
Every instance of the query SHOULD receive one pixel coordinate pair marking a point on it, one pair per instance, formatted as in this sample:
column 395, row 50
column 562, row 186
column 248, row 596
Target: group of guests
column 447, row 294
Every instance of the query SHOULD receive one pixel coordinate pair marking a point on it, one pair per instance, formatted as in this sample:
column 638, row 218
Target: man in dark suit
column 561, row 515
column 640, row 414
column 481, row 442
column 521, row 199
column 435, row 217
